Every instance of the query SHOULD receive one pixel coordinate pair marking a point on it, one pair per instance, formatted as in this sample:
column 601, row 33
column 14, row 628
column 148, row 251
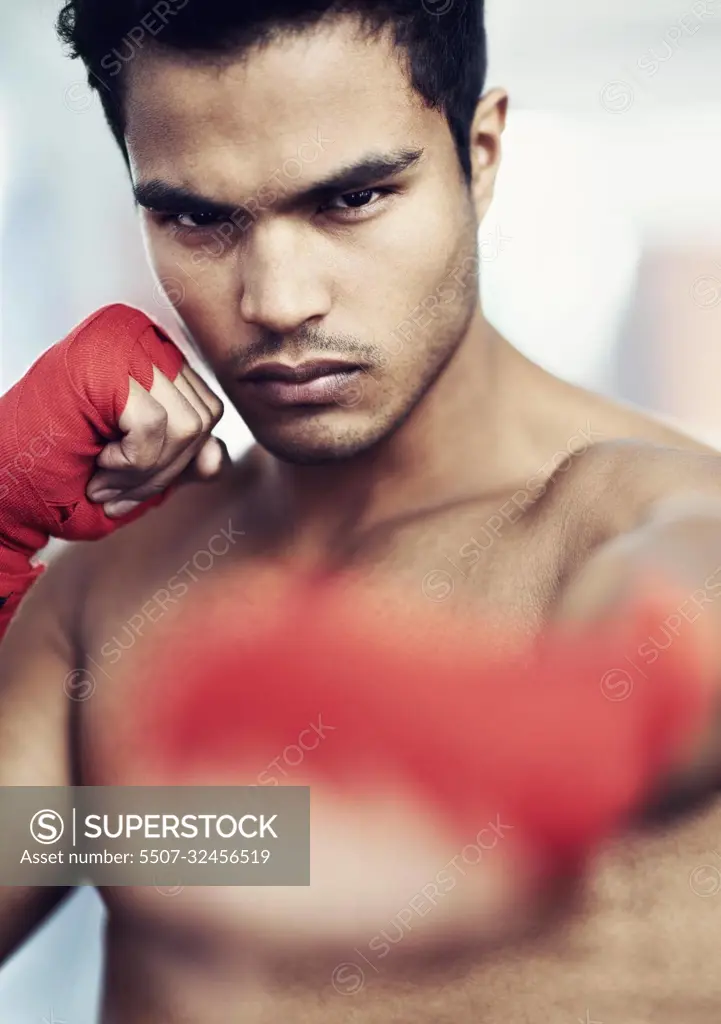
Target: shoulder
column 626, row 476
column 613, row 487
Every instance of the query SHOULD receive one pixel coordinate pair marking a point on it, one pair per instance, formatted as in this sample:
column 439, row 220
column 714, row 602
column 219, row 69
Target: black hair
column 443, row 42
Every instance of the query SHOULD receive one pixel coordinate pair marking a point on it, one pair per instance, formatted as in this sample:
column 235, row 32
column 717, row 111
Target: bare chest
column 466, row 562
column 638, row 950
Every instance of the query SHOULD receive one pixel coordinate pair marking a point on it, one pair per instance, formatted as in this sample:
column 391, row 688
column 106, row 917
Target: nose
column 284, row 284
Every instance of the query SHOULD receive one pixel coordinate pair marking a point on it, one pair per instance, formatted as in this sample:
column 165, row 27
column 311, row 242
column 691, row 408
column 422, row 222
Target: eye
column 202, row 220
column 181, row 224
column 357, row 201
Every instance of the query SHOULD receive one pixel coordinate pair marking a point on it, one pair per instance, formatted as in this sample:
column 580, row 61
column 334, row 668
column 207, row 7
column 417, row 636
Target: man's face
column 376, row 274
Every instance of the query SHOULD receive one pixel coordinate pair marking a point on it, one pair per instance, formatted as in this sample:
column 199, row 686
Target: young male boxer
column 317, row 188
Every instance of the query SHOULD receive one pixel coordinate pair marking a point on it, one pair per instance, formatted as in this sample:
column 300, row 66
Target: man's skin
column 448, row 436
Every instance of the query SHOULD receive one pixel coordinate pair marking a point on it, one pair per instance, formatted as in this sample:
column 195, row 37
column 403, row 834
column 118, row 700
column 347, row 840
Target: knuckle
column 189, row 425
column 123, row 462
column 155, row 419
column 142, row 461
column 206, row 421
column 216, row 409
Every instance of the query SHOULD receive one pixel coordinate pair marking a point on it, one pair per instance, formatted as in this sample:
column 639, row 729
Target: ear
column 489, row 121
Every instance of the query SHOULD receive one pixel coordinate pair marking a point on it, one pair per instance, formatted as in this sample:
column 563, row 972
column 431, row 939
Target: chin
column 326, row 447
column 302, row 454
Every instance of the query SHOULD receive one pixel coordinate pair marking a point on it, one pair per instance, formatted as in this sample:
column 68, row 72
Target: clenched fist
column 167, row 436
column 94, row 435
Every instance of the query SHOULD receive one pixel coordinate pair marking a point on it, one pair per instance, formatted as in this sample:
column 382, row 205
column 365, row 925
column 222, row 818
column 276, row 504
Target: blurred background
column 601, row 256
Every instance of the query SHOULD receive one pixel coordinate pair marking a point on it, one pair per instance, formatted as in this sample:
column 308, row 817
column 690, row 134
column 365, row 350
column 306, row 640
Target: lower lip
column 326, row 390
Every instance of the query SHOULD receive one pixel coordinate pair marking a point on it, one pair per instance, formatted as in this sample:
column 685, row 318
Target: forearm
column 678, row 549
column 13, row 588
column 684, row 539
column 20, row 541
column 673, row 558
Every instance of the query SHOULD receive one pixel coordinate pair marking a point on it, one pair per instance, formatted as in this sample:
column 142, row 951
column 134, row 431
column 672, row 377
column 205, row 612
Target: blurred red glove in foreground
column 564, row 740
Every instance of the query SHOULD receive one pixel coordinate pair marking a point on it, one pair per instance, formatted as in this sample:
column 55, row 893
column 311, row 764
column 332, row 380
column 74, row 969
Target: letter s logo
column 46, row 827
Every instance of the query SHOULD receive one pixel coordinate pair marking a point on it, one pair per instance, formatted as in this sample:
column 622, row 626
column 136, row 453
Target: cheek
column 196, row 268
column 434, row 318
column 171, row 290
column 197, row 285
column 437, row 285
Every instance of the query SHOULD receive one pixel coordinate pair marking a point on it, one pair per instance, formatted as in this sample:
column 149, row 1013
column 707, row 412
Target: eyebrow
column 163, row 197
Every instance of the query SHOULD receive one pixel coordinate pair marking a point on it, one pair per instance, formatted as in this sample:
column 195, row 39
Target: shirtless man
column 394, row 426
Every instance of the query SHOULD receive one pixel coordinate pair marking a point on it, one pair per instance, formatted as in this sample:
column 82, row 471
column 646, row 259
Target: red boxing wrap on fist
column 53, row 425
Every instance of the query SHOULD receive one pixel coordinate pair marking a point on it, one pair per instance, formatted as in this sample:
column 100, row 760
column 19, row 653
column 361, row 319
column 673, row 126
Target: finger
column 160, row 426
column 188, row 421
column 118, row 509
column 160, row 480
column 143, row 422
column 212, row 401
column 185, row 421
column 183, row 426
column 212, row 458
column 193, row 437
column 193, row 399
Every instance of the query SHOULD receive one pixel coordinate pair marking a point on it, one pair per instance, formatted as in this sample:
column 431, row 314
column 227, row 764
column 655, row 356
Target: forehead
column 224, row 125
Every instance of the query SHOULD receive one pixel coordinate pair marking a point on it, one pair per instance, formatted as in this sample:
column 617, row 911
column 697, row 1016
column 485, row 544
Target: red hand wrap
column 53, row 425
column 540, row 740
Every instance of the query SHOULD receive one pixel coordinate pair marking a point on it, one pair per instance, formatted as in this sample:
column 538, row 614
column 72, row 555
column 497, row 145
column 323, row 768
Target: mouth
column 318, row 382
